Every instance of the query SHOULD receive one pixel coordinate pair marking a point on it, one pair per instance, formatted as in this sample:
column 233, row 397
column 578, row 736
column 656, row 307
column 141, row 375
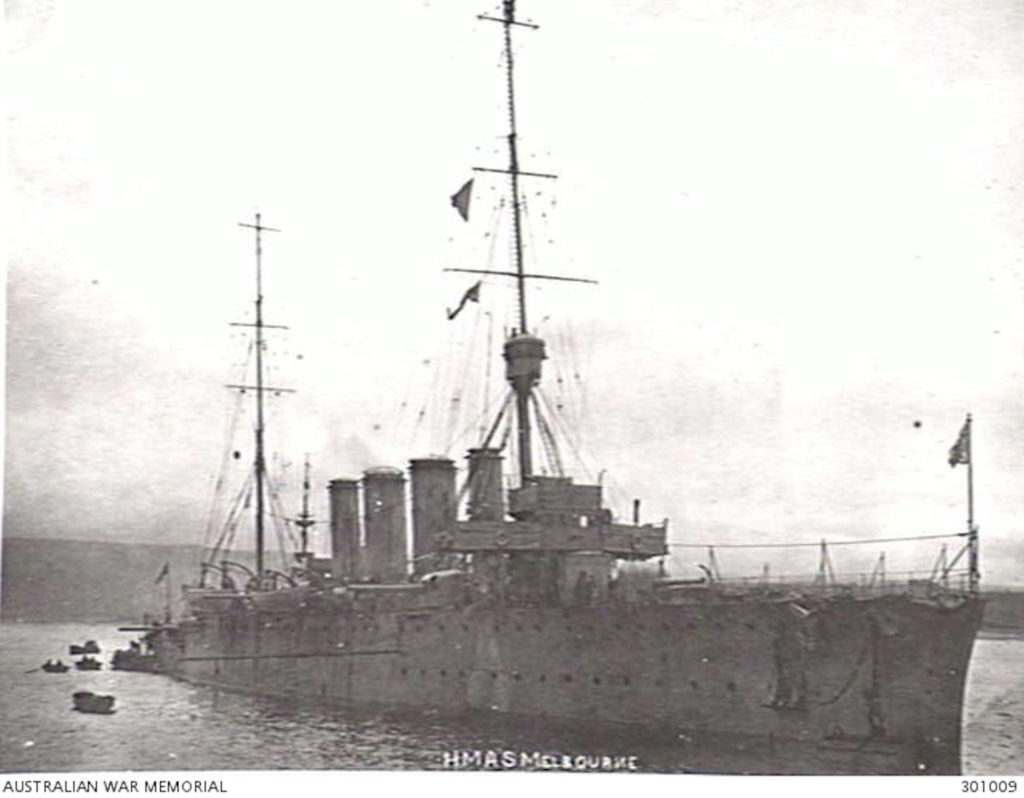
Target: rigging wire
column 230, row 526
column 457, row 406
column 587, row 470
column 285, row 539
column 501, row 404
column 577, row 389
column 443, row 393
column 562, row 407
column 230, row 431
column 488, row 359
column 804, row 578
column 547, row 436
column 817, row 544
column 496, row 221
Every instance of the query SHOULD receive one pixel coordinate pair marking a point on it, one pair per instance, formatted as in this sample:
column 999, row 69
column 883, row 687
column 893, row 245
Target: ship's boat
column 90, row 647
column 126, row 659
column 88, row 663
column 55, row 667
column 85, row 701
column 137, row 657
column 537, row 602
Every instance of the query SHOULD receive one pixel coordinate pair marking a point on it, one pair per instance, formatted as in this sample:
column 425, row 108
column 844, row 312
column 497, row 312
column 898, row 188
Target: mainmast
column 259, row 460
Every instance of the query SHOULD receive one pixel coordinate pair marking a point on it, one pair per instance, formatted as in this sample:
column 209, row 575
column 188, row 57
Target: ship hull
column 837, row 685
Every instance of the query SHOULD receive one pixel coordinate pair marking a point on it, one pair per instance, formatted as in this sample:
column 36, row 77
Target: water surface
column 165, row 724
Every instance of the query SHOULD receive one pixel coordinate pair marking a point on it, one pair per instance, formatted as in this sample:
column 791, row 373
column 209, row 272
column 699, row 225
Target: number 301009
column 992, row 785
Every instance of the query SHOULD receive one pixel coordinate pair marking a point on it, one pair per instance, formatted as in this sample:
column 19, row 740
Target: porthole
column 693, row 685
column 731, row 686
column 567, row 678
column 597, row 680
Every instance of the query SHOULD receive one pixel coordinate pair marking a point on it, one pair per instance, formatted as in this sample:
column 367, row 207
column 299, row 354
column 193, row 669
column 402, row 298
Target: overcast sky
column 805, row 217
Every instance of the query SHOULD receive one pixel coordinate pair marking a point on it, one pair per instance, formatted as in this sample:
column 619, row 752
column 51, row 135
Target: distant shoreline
column 1000, row 634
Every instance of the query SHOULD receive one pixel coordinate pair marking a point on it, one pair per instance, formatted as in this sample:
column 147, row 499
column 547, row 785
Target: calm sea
column 164, row 724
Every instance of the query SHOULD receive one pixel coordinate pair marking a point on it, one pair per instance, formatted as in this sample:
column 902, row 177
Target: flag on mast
column 460, row 199
column 163, row 573
column 960, row 452
column 472, row 295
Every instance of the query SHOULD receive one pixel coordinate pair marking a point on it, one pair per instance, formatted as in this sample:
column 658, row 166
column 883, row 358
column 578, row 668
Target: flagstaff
column 973, row 574
column 970, row 478
column 960, row 454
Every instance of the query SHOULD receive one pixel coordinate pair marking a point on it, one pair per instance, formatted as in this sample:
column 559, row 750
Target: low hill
column 50, row 580
column 1004, row 613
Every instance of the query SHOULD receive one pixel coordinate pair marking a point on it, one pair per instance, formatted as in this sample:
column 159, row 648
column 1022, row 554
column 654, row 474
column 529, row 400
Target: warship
column 535, row 601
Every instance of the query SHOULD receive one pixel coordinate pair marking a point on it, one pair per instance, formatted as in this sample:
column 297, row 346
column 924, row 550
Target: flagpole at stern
column 960, row 454
column 973, row 574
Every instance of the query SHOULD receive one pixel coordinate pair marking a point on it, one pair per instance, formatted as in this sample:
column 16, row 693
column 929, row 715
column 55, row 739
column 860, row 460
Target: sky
column 804, row 218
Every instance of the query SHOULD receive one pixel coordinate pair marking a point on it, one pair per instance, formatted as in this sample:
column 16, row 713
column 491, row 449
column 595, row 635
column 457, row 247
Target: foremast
column 523, row 352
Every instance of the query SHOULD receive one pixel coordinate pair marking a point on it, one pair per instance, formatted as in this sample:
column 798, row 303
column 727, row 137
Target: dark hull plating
column 834, row 685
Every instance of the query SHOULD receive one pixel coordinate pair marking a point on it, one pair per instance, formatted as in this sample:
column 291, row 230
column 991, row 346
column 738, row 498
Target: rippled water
column 993, row 741
column 164, row 724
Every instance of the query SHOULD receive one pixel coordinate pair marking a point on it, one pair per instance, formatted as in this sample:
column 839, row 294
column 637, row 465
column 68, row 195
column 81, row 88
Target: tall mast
column 523, row 363
column 524, row 353
column 508, row 21
column 259, row 461
column 523, row 386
